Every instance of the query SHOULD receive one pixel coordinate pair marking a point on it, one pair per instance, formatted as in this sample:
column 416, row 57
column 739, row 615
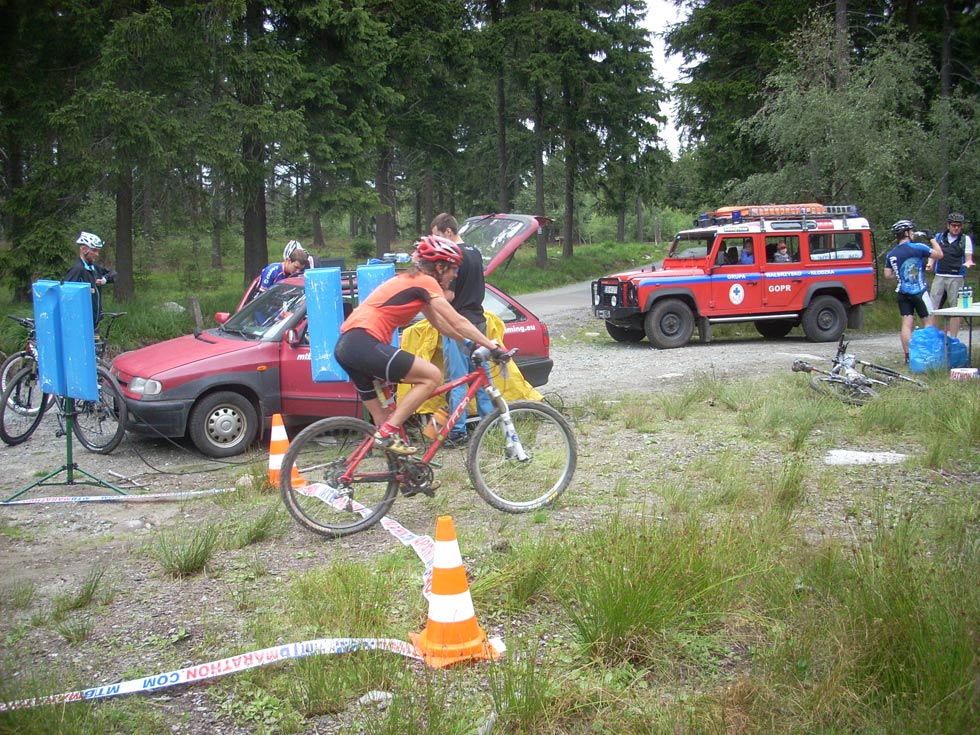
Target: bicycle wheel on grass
column 13, row 365
column 519, row 486
column 891, row 377
column 22, row 407
column 101, row 425
column 843, row 389
column 325, row 505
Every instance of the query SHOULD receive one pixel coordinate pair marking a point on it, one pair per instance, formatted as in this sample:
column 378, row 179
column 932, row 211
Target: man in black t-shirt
column 465, row 293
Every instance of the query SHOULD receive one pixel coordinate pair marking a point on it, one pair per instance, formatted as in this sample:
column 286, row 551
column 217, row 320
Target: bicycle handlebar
column 25, row 321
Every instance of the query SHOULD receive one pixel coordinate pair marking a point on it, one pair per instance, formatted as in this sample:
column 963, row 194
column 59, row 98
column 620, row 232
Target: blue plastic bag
column 926, row 350
column 956, row 353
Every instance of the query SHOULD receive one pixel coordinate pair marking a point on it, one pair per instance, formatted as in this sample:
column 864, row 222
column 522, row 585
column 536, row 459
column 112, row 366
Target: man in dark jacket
column 86, row 270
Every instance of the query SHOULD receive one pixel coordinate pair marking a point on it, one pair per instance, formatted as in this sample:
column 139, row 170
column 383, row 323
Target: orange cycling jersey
column 393, row 304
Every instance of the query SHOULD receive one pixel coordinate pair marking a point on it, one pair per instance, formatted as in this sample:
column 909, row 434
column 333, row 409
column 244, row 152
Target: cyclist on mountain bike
column 365, row 347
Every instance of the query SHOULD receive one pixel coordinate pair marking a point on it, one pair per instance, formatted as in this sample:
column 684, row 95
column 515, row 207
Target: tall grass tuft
column 182, row 553
column 634, row 590
column 247, row 530
column 525, row 697
column 83, row 597
column 346, row 598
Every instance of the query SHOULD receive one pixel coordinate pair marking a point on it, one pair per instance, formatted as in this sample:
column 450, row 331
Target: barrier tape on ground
column 222, row 667
column 423, row 546
column 144, row 498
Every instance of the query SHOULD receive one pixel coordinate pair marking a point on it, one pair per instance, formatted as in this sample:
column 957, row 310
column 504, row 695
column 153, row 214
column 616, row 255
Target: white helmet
column 290, row 248
column 89, row 240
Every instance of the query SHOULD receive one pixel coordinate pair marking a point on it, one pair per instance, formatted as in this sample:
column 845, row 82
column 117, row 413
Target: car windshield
column 266, row 315
column 691, row 245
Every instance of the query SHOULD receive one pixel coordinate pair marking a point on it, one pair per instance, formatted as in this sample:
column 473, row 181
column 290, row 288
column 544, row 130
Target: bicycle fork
column 513, row 449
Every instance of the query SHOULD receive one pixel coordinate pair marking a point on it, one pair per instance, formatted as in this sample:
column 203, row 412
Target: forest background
column 229, row 123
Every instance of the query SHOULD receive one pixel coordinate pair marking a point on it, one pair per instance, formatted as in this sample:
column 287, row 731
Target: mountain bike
column 99, row 425
column 520, row 457
column 844, row 382
column 28, row 356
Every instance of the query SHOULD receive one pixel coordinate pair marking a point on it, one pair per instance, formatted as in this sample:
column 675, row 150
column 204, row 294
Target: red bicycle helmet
column 434, row 248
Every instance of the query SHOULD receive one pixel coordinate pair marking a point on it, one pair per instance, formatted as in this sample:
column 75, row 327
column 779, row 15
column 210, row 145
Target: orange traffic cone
column 278, row 445
column 452, row 633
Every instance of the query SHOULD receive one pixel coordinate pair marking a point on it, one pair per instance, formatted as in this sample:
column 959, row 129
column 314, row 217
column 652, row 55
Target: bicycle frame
column 476, row 379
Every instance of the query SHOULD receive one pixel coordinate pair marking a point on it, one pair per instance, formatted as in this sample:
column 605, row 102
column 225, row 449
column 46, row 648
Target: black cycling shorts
column 909, row 303
column 366, row 359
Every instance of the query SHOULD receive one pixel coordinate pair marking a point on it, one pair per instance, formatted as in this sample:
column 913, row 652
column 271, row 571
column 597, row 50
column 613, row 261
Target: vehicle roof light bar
column 737, row 214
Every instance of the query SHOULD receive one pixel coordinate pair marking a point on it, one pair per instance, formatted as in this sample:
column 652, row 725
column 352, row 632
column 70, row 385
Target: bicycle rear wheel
column 843, row 389
column 22, row 407
column 891, row 377
column 325, row 504
column 518, row 486
column 101, row 425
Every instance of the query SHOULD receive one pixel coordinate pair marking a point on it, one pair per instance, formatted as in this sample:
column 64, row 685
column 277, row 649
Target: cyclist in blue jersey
column 904, row 263
column 294, row 264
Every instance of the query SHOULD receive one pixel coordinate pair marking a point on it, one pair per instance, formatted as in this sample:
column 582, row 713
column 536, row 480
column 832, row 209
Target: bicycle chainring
column 417, row 477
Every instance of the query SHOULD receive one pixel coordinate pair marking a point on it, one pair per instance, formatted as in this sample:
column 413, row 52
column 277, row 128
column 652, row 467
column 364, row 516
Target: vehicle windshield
column 490, row 234
column 266, row 315
column 691, row 244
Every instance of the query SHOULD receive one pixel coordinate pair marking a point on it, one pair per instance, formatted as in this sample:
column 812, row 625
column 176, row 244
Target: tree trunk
column 639, row 220
column 124, row 288
column 253, row 203
column 946, row 90
column 385, row 232
column 542, row 251
column 428, row 214
column 318, row 241
column 503, row 198
column 621, row 226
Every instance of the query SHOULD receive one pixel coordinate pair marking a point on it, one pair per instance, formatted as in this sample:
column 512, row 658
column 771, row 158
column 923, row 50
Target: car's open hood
column 497, row 236
column 150, row 361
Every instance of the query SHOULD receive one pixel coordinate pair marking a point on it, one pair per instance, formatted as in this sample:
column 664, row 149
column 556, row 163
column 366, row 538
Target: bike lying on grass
column 520, row 457
column 845, row 382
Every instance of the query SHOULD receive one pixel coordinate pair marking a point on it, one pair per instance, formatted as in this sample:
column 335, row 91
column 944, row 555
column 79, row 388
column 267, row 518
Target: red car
column 222, row 386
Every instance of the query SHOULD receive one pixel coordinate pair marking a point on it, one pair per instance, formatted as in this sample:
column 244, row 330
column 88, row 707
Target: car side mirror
column 222, row 316
column 292, row 338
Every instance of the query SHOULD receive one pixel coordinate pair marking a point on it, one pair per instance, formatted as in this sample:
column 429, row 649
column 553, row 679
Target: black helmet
column 955, row 217
column 899, row 228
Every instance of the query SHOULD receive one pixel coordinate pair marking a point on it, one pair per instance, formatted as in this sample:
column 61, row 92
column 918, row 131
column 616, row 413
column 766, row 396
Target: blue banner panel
column 47, row 322
column 369, row 277
column 325, row 313
column 78, row 342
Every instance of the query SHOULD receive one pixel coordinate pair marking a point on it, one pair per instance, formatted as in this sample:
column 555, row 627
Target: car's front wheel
column 223, row 424
column 669, row 324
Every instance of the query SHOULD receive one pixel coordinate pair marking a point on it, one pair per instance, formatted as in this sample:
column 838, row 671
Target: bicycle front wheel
column 22, row 407
column 843, row 389
column 324, row 503
column 516, row 485
column 101, row 425
column 891, row 377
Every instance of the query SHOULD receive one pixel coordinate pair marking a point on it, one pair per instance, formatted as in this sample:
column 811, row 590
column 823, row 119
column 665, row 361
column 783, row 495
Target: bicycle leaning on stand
column 845, row 382
column 99, row 425
column 520, row 457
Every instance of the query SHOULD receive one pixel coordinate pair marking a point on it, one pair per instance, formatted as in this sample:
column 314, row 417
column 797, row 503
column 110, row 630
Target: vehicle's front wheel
column 774, row 328
column 223, row 424
column 623, row 334
column 669, row 324
column 824, row 320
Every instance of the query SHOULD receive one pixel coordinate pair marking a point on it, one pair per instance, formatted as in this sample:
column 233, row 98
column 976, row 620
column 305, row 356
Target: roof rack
column 736, row 214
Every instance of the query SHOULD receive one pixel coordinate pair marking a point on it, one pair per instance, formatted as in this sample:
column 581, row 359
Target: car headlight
column 145, row 386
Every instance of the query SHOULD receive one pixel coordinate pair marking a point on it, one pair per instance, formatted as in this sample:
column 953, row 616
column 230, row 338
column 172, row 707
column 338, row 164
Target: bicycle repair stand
column 69, row 467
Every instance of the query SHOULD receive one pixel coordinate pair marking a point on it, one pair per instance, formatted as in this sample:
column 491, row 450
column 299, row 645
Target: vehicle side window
column 735, row 251
column 837, row 246
column 777, row 254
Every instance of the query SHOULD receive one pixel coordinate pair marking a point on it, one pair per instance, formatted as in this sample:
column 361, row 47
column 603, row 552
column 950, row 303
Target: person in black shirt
column 86, row 270
column 465, row 293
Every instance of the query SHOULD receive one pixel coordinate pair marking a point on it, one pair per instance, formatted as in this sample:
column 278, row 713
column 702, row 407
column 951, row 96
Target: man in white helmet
column 86, row 270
